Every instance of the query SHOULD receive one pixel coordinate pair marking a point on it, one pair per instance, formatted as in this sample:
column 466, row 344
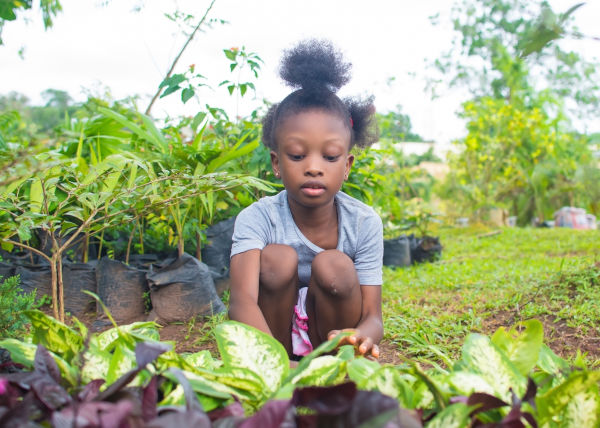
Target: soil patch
column 561, row 338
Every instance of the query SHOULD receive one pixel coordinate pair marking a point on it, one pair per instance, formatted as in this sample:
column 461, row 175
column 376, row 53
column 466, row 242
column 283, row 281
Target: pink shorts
column 301, row 345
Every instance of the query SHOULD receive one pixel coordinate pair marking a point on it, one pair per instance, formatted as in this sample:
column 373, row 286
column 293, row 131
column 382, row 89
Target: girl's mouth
column 313, row 188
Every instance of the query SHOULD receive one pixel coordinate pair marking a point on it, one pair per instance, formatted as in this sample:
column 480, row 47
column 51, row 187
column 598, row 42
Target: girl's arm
column 243, row 298
column 369, row 330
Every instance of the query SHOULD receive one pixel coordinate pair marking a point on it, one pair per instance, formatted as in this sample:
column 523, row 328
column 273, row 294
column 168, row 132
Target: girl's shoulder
column 353, row 205
column 267, row 206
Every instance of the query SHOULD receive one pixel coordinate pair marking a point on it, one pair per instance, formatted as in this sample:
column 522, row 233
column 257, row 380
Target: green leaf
column 24, row 353
column 186, row 94
column 388, row 380
column 54, row 335
column 323, row 348
column 140, row 331
column 574, row 403
column 198, row 119
column 174, row 80
column 243, row 346
column 454, row 416
column 238, row 381
column 202, row 359
column 231, row 88
column 551, row 363
column 322, row 371
column 230, row 54
column 122, row 361
column 24, row 232
column 466, row 383
column 522, row 347
column 20, row 352
column 36, row 195
column 360, row 370
column 170, row 90
column 481, row 356
column 97, row 363
column 176, row 397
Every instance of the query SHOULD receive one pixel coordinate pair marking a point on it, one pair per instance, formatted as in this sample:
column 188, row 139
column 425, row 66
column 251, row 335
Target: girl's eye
column 296, row 157
column 331, row 158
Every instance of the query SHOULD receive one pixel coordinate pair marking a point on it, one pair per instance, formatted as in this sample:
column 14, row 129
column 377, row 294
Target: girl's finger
column 366, row 345
column 375, row 351
column 332, row 334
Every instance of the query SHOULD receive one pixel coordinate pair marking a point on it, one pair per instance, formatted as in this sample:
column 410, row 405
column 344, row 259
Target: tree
column 510, row 48
column 396, row 126
column 10, row 8
column 516, row 158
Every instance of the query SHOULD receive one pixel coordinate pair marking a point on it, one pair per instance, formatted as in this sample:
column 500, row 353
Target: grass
column 484, row 282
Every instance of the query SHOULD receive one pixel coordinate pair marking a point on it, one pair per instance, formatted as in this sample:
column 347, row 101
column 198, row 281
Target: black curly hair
column 319, row 70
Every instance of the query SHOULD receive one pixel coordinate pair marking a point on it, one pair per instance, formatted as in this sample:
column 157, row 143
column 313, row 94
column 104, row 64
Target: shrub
column 12, row 304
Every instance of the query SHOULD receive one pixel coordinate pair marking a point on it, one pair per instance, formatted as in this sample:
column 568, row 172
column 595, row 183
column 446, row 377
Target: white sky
column 94, row 47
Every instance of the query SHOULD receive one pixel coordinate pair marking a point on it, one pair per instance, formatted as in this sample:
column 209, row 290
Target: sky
column 115, row 46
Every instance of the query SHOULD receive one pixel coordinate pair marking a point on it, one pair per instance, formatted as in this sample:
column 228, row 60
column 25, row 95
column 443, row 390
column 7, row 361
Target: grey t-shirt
column 270, row 221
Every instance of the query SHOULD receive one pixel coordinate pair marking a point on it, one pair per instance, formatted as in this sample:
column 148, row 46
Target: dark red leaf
column 529, row 418
column 149, row 400
column 344, row 406
column 233, row 410
column 459, row 399
column 485, row 402
column 181, row 420
column 50, row 393
column 529, row 396
column 148, row 352
column 271, row 415
column 93, row 414
column 191, row 401
column 21, row 413
column 91, row 390
column 44, row 364
column 9, row 395
column 331, row 400
column 117, row 385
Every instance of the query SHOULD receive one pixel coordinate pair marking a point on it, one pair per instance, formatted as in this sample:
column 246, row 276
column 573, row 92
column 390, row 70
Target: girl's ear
column 275, row 164
column 349, row 162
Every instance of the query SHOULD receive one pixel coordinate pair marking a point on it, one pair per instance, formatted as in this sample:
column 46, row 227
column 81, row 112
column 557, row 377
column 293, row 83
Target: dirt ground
column 562, row 339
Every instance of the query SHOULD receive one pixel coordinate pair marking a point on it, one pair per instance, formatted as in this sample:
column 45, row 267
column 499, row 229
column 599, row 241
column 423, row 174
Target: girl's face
column 312, row 157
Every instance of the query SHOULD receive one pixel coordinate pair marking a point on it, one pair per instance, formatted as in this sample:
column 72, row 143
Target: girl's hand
column 363, row 344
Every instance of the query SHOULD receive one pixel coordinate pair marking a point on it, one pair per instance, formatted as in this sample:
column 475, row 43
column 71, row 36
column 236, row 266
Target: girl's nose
column 313, row 167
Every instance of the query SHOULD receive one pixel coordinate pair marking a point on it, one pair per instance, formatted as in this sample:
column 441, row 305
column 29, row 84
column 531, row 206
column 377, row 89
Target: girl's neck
column 314, row 218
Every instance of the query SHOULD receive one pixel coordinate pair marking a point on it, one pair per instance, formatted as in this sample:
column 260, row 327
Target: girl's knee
column 334, row 273
column 278, row 267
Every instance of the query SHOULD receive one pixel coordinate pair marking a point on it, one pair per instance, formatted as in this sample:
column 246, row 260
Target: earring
column 277, row 174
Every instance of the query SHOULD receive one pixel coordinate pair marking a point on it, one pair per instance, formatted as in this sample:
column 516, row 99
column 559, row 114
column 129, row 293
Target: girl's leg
column 278, row 290
column 334, row 300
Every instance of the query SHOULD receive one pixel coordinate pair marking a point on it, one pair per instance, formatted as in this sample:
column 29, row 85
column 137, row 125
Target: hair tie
column 351, row 123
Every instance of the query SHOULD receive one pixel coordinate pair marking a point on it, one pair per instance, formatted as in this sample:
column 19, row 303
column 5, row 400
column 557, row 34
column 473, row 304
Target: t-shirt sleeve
column 369, row 253
column 251, row 230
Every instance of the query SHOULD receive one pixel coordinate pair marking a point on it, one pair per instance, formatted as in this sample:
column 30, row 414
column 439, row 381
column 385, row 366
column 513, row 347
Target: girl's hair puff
column 319, row 70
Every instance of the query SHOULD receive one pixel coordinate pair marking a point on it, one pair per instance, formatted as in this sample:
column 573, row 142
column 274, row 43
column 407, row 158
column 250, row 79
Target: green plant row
column 510, row 378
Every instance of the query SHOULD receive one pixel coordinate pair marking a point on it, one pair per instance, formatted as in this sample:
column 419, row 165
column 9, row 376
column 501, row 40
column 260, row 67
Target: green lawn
column 483, row 282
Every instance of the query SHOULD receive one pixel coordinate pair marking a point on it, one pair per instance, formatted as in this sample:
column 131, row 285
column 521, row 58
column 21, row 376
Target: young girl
column 307, row 263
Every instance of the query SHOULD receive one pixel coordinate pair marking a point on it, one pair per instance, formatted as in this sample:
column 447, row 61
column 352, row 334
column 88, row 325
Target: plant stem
column 130, row 241
column 53, row 282
column 157, row 94
column 199, row 246
column 61, row 288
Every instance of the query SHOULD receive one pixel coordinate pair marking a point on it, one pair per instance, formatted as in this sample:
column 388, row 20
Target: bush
column 12, row 304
